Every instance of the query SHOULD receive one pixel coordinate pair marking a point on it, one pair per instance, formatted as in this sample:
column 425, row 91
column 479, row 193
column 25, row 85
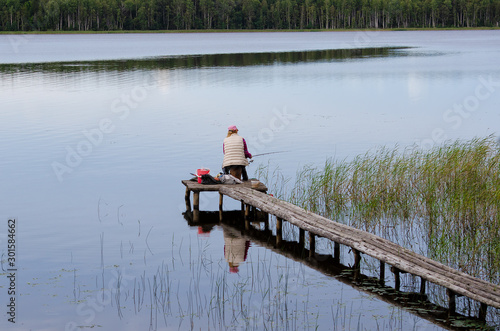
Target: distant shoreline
column 245, row 31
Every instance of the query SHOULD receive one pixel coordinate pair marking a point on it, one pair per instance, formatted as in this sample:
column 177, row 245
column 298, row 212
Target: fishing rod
column 268, row 153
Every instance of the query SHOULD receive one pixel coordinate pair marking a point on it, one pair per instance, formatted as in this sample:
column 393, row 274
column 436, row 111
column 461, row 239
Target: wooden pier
column 196, row 188
column 401, row 259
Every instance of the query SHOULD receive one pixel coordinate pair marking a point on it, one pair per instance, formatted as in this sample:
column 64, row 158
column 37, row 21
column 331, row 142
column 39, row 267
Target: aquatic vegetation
column 443, row 203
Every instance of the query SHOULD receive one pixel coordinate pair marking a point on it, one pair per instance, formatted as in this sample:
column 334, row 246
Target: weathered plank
column 196, row 187
column 372, row 245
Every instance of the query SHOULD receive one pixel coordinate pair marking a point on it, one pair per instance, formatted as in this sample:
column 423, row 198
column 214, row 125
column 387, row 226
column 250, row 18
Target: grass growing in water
column 443, row 202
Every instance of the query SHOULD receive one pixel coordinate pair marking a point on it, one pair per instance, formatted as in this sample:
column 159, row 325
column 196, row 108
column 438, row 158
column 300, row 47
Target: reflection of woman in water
column 235, row 248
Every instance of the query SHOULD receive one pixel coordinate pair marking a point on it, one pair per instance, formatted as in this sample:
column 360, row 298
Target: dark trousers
column 244, row 174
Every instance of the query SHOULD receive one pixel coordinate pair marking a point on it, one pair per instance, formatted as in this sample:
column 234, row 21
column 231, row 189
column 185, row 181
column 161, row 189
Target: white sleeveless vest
column 234, row 151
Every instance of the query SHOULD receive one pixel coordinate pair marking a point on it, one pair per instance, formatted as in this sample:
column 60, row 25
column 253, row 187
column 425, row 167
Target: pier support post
column 187, row 198
column 422, row 285
column 196, row 206
column 452, row 301
column 336, row 252
column 279, row 225
column 302, row 235
column 357, row 263
column 483, row 310
column 221, row 211
column 382, row 273
column 312, row 244
column 247, row 217
column 397, row 278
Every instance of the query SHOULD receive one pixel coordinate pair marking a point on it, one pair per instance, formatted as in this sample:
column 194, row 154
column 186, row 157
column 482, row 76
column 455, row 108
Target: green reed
column 446, row 199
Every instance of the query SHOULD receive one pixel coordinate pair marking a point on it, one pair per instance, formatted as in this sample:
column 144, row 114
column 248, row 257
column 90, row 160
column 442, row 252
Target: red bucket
column 200, row 172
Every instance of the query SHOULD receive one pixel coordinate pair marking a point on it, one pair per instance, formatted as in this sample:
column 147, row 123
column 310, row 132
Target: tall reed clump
column 445, row 200
column 461, row 190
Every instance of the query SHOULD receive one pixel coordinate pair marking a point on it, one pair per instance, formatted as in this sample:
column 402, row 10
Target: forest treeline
column 102, row 15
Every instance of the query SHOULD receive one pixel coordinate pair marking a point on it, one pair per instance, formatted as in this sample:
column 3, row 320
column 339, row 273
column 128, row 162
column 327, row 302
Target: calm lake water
column 97, row 131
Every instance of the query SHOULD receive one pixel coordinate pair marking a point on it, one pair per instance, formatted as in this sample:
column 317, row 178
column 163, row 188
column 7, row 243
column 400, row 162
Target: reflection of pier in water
column 254, row 226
